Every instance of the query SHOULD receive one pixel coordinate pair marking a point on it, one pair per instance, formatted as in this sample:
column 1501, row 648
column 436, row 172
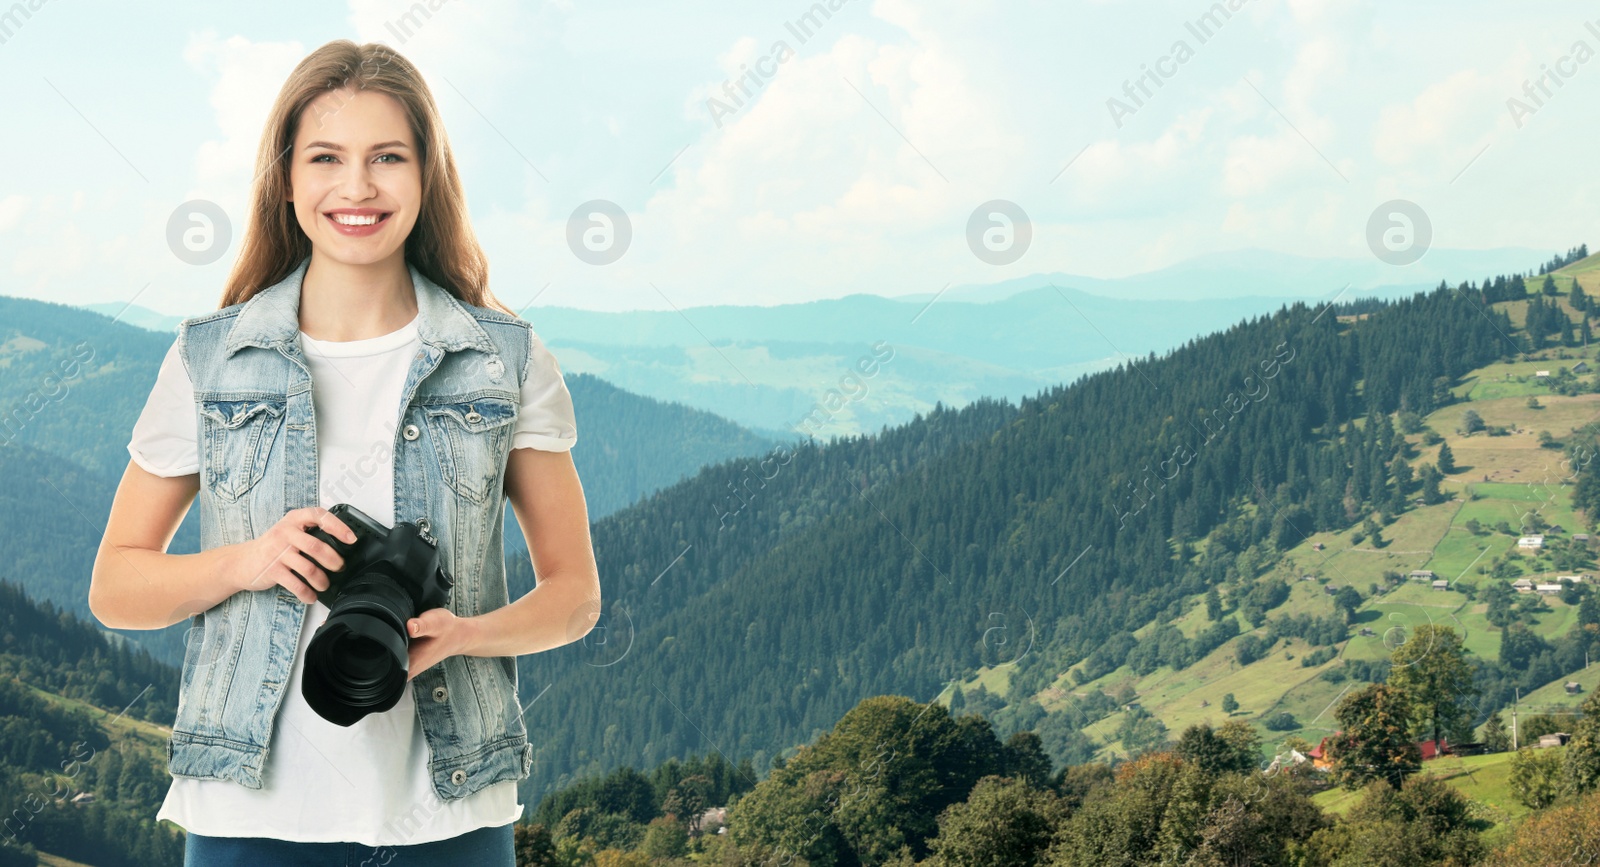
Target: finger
column 325, row 555
column 310, row 516
column 335, row 527
column 308, row 571
column 288, row 580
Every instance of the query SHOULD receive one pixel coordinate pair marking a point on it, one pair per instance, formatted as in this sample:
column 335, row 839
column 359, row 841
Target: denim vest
column 258, row 439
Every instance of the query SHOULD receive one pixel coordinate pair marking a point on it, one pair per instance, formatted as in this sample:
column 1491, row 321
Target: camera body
column 359, row 657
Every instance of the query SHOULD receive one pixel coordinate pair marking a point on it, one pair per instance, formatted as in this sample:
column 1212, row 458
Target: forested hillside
column 82, row 768
column 754, row 604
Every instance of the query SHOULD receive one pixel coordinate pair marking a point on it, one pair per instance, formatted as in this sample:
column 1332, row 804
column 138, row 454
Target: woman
column 358, row 357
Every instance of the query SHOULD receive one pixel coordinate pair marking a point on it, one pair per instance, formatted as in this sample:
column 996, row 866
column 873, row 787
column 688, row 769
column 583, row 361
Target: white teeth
column 353, row 220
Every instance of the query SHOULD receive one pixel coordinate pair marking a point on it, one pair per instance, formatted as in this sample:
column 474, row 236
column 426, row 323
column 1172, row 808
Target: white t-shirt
column 367, row 783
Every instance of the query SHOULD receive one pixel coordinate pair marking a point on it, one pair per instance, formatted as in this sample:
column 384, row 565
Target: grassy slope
column 1485, row 779
column 1499, row 479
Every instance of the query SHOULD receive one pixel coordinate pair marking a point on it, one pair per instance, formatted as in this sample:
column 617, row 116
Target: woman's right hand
column 274, row 557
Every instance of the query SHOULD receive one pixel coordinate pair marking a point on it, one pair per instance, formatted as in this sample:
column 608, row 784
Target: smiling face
column 355, row 177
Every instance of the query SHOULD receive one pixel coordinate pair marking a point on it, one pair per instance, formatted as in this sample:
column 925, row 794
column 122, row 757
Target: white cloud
column 246, row 79
column 12, row 208
column 1448, row 115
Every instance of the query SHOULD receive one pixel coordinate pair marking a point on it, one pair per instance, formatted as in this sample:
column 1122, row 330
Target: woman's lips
column 357, row 229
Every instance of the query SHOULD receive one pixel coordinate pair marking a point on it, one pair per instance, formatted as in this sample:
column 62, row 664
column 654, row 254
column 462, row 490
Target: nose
column 355, row 182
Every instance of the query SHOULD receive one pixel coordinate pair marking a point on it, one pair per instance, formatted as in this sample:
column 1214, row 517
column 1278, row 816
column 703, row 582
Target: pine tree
column 1549, row 285
column 1447, row 460
column 1495, row 737
column 1431, row 495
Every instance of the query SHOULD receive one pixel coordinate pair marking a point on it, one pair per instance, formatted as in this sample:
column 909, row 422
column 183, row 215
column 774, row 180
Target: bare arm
column 137, row 585
column 548, row 501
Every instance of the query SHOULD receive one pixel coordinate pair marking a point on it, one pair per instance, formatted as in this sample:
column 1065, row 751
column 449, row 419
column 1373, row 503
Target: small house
column 1530, row 543
column 1581, row 367
column 1422, row 575
column 1555, row 528
column 1541, row 373
column 1367, row 631
column 1522, row 585
column 1308, row 577
column 1441, row 584
column 1330, row 589
column 1320, row 758
column 1555, row 739
column 1574, row 687
column 1580, row 537
column 1547, row 589
column 1434, row 749
column 83, row 798
column 1570, row 579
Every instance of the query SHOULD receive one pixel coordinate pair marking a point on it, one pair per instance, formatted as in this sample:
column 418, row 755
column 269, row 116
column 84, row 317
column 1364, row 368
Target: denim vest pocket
column 470, row 439
column 238, row 438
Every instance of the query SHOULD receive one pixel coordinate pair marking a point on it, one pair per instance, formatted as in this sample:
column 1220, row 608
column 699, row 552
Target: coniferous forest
column 808, row 579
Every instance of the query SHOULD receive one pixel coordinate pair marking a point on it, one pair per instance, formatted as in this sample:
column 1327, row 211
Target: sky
column 866, row 153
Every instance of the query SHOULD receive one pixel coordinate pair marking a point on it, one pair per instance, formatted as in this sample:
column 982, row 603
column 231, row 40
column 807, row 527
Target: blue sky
column 853, row 168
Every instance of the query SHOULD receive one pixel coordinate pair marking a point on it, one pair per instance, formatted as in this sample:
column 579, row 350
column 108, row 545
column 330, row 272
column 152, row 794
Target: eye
column 397, row 158
column 318, row 157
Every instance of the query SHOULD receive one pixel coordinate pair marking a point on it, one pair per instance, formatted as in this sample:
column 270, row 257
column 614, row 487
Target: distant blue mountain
column 769, row 368
column 1256, row 272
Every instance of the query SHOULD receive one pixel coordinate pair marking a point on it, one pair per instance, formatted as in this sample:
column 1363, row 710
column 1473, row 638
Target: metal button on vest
column 410, row 432
column 440, row 693
column 458, row 776
column 473, row 418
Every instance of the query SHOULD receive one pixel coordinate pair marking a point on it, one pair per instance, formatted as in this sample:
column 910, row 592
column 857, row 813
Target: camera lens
column 358, row 660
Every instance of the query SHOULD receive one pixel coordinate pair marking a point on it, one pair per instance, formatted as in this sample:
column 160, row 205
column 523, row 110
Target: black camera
column 358, row 659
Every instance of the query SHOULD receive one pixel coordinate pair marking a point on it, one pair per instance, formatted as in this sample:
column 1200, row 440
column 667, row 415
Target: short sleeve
column 545, row 419
column 163, row 441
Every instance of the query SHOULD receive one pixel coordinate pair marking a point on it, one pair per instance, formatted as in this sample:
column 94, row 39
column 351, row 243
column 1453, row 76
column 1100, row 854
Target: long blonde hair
column 441, row 245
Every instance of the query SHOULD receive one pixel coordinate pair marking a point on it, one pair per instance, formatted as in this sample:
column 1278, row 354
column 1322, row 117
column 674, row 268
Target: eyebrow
column 379, row 146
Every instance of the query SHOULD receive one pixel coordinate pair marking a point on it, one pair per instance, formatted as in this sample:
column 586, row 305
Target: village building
column 1434, row 749
column 1530, row 543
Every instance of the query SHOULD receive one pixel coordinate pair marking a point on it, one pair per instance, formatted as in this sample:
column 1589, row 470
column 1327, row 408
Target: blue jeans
column 484, row 847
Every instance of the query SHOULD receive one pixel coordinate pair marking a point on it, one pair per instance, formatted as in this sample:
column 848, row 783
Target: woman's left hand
column 435, row 634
